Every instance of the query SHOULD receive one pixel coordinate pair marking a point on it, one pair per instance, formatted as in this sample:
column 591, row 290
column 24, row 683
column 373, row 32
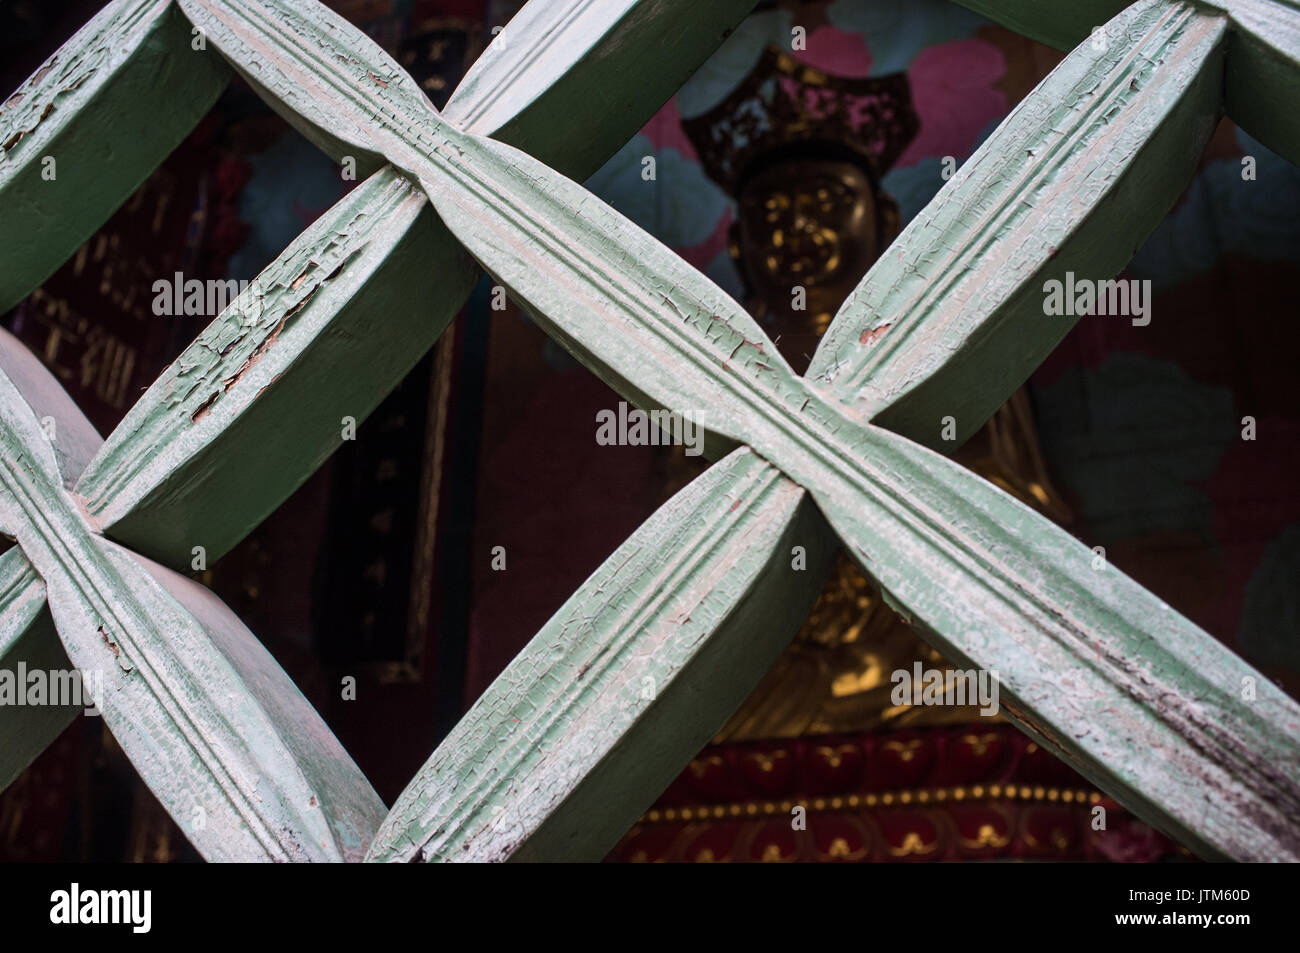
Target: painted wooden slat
column 950, row 320
column 332, row 82
column 1262, row 85
column 268, row 390
column 1155, row 711
column 28, row 643
column 93, row 111
column 568, row 81
column 321, row 74
column 631, row 676
column 214, row 726
column 1011, row 584
column 27, row 637
column 1057, row 24
column 1263, row 69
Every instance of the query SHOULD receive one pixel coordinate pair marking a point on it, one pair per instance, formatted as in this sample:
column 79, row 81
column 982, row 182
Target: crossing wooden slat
column 28, row 641
column 569, row 81
column 989, row 581
column 950, row 321
column 211, row 722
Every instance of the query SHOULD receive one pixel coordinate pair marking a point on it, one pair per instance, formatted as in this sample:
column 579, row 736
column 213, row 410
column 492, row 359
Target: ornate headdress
column 781, row 103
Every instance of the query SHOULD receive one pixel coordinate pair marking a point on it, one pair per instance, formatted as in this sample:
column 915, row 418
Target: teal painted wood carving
column 659, row 646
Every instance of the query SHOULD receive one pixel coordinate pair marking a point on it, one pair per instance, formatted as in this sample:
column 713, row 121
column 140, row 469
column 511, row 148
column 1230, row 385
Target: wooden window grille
column 632, row 675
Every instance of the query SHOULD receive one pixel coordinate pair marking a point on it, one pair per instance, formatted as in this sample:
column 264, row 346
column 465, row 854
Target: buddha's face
column 811, row 224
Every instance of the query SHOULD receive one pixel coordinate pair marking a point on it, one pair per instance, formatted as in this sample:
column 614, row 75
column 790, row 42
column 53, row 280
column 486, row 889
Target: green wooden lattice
column 566, row 748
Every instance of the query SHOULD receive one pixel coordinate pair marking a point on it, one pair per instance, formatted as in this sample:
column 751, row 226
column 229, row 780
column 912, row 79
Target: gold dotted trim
column 852, row 802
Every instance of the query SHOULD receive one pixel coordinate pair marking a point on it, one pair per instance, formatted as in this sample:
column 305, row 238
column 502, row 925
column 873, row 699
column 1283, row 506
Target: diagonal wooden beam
column 65, row 162
column 1262, row 83
column 531, row 87
column 648, row 658
column 1263, row 72
column 569, row 81
column 27, row 636
column 271, row 387
column 1061, row 25
column 950, row 320
column 221, row 438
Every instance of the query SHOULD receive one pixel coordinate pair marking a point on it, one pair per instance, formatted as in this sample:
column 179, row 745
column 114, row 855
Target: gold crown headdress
column 781, row 103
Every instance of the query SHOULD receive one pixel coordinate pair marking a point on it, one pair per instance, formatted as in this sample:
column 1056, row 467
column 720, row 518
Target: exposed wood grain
column 950, row 320
column 93, row 108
